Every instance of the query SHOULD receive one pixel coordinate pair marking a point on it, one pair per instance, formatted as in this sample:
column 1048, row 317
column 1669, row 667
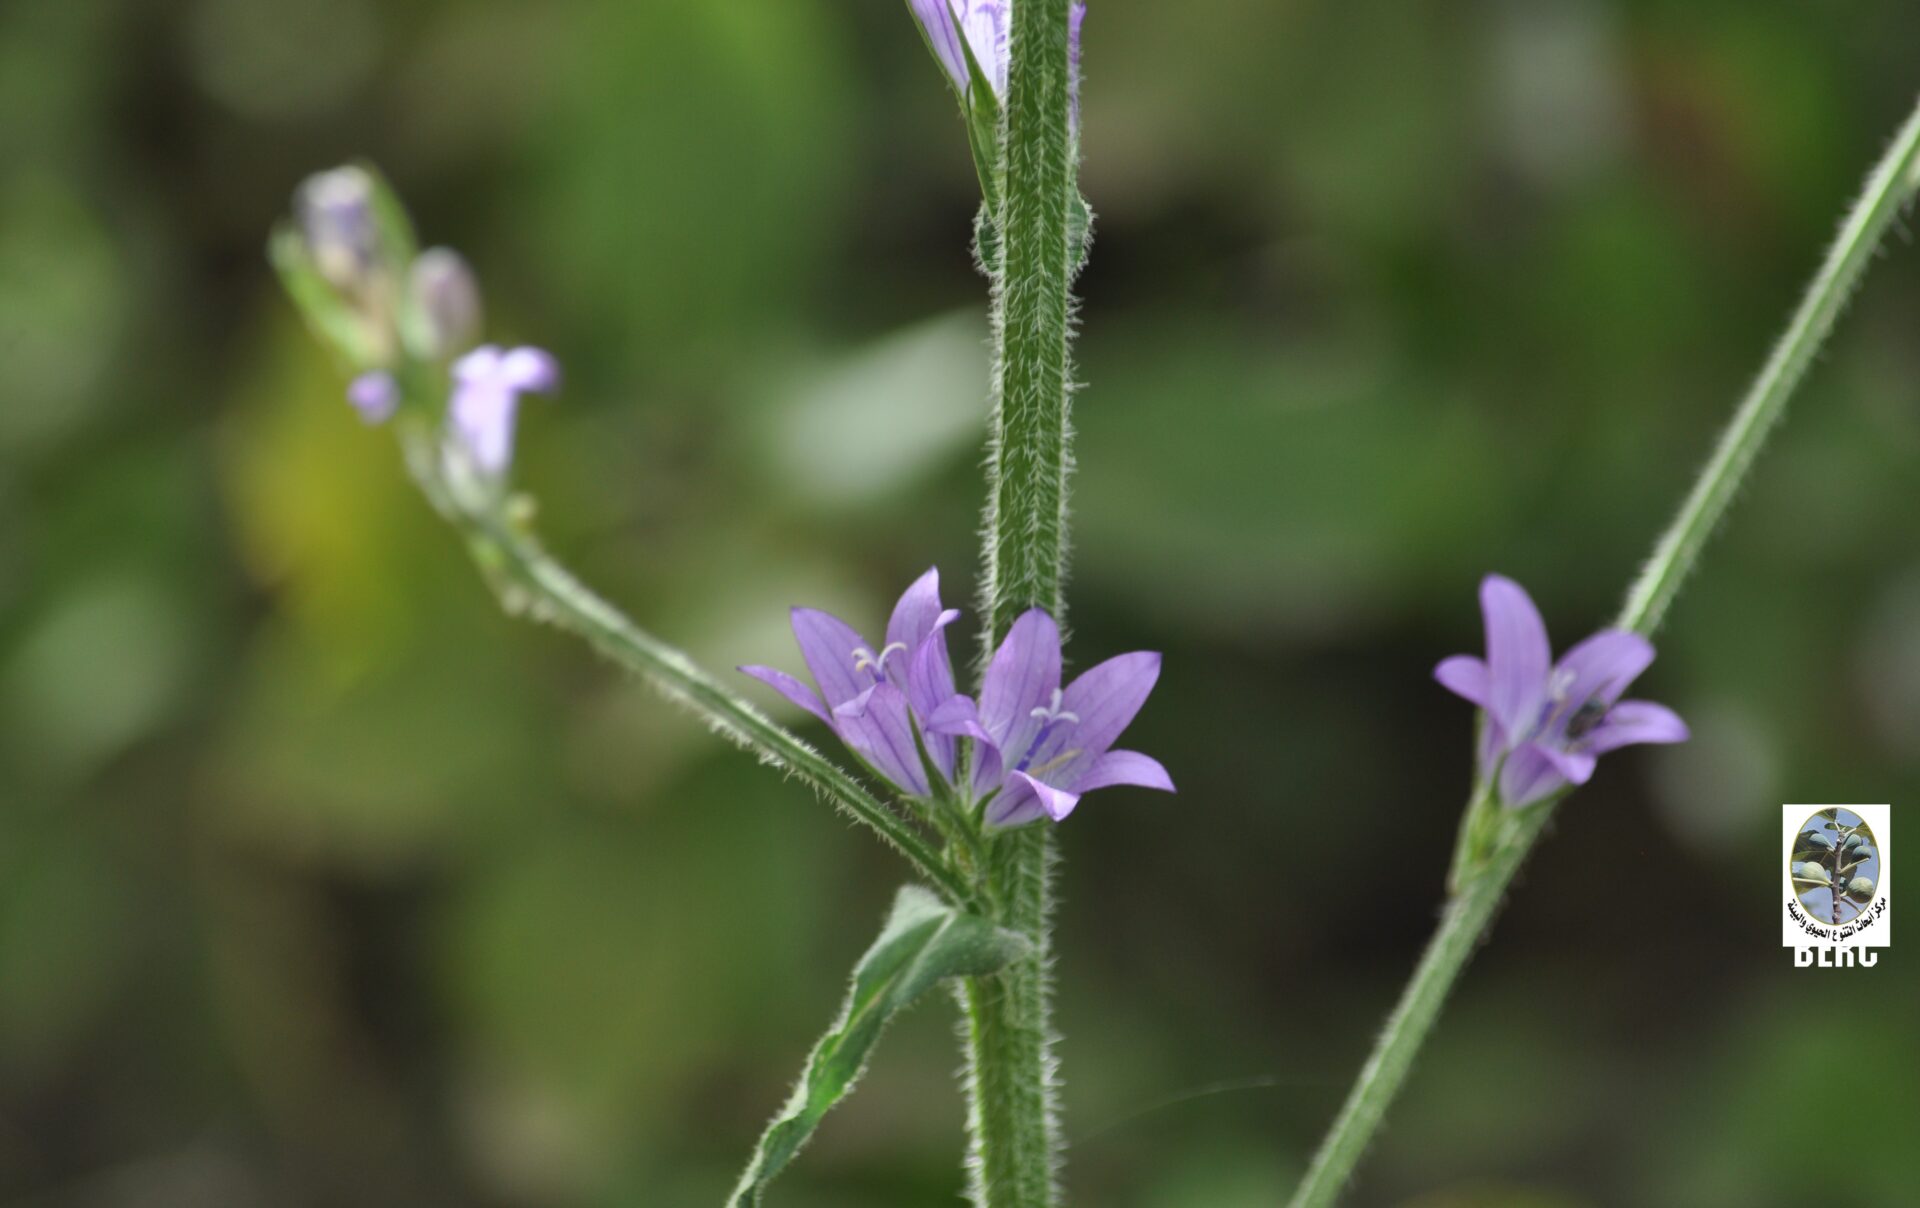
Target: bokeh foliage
column 322, row 883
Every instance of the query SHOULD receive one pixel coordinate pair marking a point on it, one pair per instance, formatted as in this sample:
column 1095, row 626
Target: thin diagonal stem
column 1464, row 920
column 1889, row 188
column 529, row 581
column 1469, row 913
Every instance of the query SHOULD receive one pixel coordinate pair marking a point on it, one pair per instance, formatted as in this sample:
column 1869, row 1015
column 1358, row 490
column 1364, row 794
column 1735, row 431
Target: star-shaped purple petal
column 1039, row 748
column 1547, row 724
column 875, row 698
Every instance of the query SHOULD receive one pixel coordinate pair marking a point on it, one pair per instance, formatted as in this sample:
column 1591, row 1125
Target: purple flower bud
column 375, row 396
column 445, row 298
column 336, row 216
column 487, row 385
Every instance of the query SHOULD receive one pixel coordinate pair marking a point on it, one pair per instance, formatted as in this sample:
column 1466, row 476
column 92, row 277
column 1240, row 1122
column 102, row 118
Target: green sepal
column 923, row 942
column 981, row 109
column 1079, row 233
column 330, row 317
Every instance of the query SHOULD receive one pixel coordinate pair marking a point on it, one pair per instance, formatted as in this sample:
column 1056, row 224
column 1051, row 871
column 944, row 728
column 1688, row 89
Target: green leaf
column 924, row 941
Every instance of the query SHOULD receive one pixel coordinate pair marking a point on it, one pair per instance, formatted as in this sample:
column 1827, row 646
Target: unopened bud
column 444, row 304
column 336, row 216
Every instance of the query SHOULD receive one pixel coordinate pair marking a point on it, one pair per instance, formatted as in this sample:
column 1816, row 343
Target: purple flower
column 1035, row 748
column 1547, row 724
column 487, row 385
column 375, row 396
column 955, row 27
column 871, row 695
column 1038, row 748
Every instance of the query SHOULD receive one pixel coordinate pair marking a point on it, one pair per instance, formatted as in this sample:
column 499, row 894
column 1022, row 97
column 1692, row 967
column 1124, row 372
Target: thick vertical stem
column 1012, row 1113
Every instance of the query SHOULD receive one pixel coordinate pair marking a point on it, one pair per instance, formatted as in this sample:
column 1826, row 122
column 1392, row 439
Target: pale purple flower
column 1547, row 724
column 375, row 396
column 487, row 385
column 954, row 27
column 870, row 695
column 1038, row 747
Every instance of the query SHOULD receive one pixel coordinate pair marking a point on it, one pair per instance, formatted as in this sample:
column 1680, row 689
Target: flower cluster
column 1547, row 724
column 1028, row 749
column 424, row 309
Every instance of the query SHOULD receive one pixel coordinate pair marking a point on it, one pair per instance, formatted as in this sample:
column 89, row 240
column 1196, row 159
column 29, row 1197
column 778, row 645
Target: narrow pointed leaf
column 924, row 941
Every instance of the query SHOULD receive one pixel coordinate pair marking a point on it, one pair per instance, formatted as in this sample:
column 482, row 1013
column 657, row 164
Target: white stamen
column 866, row 660
column 1560, row 683
column 1053, row 712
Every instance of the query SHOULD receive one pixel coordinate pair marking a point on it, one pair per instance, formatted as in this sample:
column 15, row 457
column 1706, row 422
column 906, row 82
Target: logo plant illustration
column 1834, row 862
column 966, row 775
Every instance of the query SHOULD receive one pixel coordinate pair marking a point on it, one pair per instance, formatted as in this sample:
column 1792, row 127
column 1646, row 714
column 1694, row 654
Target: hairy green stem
column 1470, row 911
column 1890, row 186
column 529, row 581
column 1012, row 1110
column 1463, row 921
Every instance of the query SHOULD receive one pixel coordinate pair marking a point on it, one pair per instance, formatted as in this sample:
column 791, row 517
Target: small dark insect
column 1585, row 718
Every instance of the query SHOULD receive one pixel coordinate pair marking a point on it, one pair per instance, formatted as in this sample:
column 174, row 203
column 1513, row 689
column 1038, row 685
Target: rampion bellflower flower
column 1036, row 748
column 954, row 27
column 1547, row 724
column 487, row 385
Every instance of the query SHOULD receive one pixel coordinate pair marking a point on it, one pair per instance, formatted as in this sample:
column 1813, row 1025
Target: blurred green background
column 322, row 883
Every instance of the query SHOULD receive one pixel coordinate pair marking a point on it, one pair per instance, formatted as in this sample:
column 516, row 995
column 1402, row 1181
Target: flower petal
column 1015, row 805
column 929, row 677
column 1576, row 766
column 1124, row 767
column 530, row 369
column 794, row 690
column 1106, row 698
column 482, row 417
column 1021, row 678
column 875, row 726
column 1636, row 721
column 957, row 716
column 1027, row 799
column 1464, row 676
column 1518, row 656
column 916, row 613
column 1601, row 667
column 828, row 644
column 1493, row 742
column 479, row 365
column 1529, row 775
column 937, row 20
